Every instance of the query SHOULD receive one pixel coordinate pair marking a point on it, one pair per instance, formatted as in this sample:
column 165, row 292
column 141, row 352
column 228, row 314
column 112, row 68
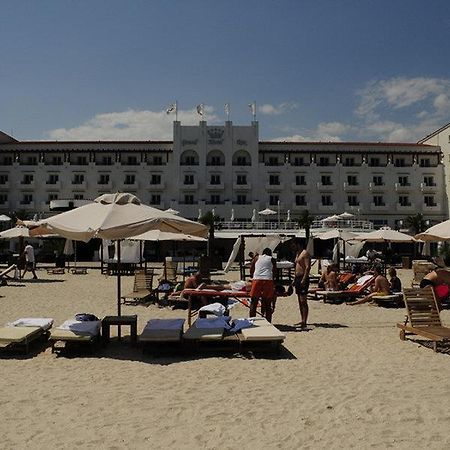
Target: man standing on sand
column 301, row 281
column 29, row 259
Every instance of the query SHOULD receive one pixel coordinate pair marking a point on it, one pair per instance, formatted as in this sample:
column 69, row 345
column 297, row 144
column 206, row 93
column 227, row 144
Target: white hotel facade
column 228, row 169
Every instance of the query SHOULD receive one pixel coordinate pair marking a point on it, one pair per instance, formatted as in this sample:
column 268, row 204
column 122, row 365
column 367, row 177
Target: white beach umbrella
column 172, row 211
column 336, row 233
column 346, row 215
column 332, row 218
column 117, row 216
column 68, row 247
column 385, row 236
column 4, row 218
column 439, row 232
column 19, row 231
column 232, row 215
column 267, row 212
column 158, row 235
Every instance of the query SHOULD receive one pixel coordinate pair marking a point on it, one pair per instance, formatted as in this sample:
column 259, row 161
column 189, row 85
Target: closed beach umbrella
column 253, row 219
column 439, row 232
column 232, row 215
column 117, row 216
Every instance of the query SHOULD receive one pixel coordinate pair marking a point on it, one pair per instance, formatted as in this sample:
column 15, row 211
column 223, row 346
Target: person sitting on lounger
column 440, row 280
column 381, row 287
column 396, row 284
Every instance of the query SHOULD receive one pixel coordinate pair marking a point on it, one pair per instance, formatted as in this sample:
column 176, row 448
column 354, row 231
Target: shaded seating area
column 20, row 334
column 422, row 316
column 142, row 287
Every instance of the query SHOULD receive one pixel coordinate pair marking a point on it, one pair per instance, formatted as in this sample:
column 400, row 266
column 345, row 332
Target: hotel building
column 228, row 169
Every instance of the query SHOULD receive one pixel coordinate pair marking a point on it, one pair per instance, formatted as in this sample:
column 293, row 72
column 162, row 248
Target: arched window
column 242, row 158
column 189, row 158
column 215, row 158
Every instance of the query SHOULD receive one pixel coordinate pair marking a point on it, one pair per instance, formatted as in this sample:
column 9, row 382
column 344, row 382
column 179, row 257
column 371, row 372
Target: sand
column 349, row 382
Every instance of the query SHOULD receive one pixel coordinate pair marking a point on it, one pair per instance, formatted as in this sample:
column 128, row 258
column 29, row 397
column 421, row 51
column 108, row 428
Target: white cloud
column 130, row 125
column 276, row 110
column 325, row 132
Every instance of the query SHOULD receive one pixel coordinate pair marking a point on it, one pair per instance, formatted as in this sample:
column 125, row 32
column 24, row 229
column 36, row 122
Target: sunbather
column 381, row 287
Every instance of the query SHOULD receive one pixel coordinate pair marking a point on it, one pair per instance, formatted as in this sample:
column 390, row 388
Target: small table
column 119, row 321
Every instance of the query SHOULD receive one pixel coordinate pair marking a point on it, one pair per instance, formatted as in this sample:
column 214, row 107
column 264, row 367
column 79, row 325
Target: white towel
column 164, row 324
column 239, row 324
column 44, row 323
column 214, row 308
column 86, row 327
column 216, row 322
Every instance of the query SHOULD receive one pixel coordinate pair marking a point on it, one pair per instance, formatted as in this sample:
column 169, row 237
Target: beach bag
column 290, row 290
column 442, row 291
column 86, row 317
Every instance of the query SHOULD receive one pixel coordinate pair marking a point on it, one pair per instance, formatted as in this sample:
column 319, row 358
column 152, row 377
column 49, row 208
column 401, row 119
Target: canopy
column 158, row 235
column 172, row 211
column 267, row 212
column 346, row 215
column 22, row 231
column 336, row 233
column 4, row 218
column 117, row 216
column 439, row 232
column 385, row 236
column 333, row 218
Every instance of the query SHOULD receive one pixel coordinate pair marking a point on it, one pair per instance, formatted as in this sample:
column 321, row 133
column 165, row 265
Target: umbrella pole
column 118, row 285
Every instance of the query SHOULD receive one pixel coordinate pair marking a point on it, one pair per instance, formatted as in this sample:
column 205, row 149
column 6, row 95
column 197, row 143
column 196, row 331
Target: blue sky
column 337, row 70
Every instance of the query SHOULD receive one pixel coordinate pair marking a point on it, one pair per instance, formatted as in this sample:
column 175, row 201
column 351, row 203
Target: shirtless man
column 381, row 287
column 301, row 281
column 331, row 279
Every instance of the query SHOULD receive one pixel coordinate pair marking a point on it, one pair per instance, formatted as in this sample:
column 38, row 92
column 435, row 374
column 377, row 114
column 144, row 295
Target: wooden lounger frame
column 142, row 288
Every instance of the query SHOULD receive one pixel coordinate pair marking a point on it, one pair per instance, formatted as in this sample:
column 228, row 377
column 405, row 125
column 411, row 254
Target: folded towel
column 239, row 324
column 44, row 323
column 90, row 327
column 216, row 322
column 164, row 324
column 214, row 308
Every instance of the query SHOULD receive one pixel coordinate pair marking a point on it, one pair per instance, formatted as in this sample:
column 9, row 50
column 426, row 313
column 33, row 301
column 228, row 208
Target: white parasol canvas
column 346, row 215
column 385, row 236
column 267, row 212
column 4, row 218
column 333, row 218
column 158, row 235
column 117, row 216
column 172, row 211
column 336, row 233
column 439, row 232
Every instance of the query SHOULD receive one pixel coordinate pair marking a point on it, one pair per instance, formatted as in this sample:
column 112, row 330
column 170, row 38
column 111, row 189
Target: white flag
column 227, row 109
column 172, row 107
column 252, row 107
column 200, row 109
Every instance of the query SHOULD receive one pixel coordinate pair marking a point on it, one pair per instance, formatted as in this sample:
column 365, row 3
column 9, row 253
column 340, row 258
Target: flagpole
column 176, row 110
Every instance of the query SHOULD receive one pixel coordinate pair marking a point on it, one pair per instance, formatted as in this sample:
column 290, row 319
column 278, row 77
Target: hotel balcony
column 189, row 187
column 215, row 186
column 428, row 187
column 242, row 187
column 327, row 208
column 5, row 185
column 28, row 184
column 299, row 187
column 434, row 207
column 409, row 208
column 56, row 186
column 274, row 187
column 157, row 186
column 130, row 186
column 352, row 208
column 402, row 187
column 375, row 187
column 380, row 207
column 79, row 185
column 104, row 186
column 351, row 187
column 325, row 187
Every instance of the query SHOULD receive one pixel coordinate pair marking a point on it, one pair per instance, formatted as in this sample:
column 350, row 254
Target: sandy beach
column 349, row 382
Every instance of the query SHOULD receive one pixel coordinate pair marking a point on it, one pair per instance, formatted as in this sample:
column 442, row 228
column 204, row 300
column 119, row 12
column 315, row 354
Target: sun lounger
column 142, row 287
column 262, row 332
column 75, row 332
column 215, row 336
column 4, row 274
column 356, row 290
column 392, row 300
column 161, row 331
column 22, row 332
column 422, row 316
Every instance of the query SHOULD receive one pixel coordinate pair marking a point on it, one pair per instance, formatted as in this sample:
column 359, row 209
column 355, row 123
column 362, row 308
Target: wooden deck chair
column 142, row 288
column 422, row 316
column 4, row 274
column 420, row 269
column 169, row 272
column 356, row 290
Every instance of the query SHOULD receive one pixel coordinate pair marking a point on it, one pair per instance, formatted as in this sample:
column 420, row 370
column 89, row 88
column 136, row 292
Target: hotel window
column 56, row 160
column 132, row 161
column 429, row 181
column 241, row 179
column 189, row 199
column 26, row 199
column 31, row 161
column 53, row 178
column 155, row 179
column 3, row 178
column 78, row 196
column 326, row 180
column 51, row 197
column 215, row 179
column 274, row 180
column 189, row 179
column 78, row 178
column 349, row 162
column 403, row 180
column 378, row 180
column 300, row 200
column 300, row 180
column 399, row 162
column 104, row 178
column 189, row 160
column 155, row 199
column 81, row 160
column 352, row 180
column 216, row 161
column 324, row 161
column 403, row 200
column 241, row 199
column 130, row 178
column 3, row 199
column 106, row 161
column 273, row 161
column 27, row 178
column 429, row 200
column 374, row 162
column 378, row 200
column 215, row 199
column 157, row 161
column 299, row 161
column 274, row 199
column 352, row 200
column 326, row 200
column 241, row 161
column 425, row 162
column 7, row 161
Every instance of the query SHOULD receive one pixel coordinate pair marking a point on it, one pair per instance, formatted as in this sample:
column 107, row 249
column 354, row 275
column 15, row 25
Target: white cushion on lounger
column 17, row 334
column 214, row 308
column 162, row 330
column 44, row 323
column 164, row 324
column 262, row 333
column 90, row 328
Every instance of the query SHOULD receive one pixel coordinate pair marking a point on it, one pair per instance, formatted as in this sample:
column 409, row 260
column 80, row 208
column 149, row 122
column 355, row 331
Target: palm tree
column 305, row 221
column 415, row 223
column 209, row 220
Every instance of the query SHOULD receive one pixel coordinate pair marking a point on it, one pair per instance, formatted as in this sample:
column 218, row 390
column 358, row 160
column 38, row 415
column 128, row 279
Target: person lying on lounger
column 380, row 287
